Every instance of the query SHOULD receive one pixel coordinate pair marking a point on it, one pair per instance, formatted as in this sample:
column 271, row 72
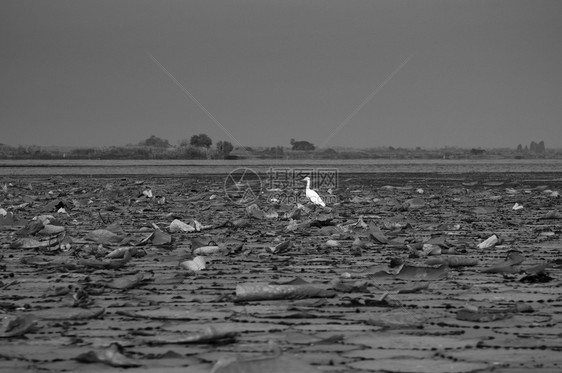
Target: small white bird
column 147, row 193
column 312, row 195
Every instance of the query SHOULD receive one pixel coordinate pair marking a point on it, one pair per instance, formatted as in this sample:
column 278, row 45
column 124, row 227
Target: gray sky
column 479, row 73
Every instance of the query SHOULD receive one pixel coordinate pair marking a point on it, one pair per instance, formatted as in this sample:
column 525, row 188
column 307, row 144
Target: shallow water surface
column 184, row 167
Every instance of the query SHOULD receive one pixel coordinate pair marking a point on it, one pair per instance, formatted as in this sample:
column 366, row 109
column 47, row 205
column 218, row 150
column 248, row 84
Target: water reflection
column 186, row 167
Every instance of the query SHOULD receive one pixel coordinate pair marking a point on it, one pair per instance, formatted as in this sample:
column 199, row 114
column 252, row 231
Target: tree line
column 537, row 148
column 201, row 147
column 197, row 147
column 193, row 146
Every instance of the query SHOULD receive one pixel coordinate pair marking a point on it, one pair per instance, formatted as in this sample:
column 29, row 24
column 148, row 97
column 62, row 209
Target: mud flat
column 411, row 272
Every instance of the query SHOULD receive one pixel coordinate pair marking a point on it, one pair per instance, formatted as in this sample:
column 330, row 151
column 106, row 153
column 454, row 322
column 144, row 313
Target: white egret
column 147, row 192
column 312, row 195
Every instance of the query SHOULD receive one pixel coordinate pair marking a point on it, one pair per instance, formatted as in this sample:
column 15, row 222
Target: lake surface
column 188, row 167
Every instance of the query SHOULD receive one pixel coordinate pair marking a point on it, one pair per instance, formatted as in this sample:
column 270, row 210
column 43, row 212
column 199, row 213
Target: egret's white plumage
column 312, row 195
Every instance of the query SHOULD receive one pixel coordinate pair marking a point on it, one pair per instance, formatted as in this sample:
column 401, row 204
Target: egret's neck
column 308, row 184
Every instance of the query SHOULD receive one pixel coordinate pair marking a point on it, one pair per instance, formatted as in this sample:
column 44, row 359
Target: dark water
column 187, row 167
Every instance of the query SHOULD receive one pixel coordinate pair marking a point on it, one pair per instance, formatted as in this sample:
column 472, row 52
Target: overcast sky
column 362, row 73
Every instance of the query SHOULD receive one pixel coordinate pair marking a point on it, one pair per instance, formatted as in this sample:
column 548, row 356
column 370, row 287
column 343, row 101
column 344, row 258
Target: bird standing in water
column 312, row 195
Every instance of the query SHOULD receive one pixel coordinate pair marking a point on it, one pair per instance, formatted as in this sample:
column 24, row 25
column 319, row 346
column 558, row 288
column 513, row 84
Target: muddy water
column 371, row 316
column 186, row 167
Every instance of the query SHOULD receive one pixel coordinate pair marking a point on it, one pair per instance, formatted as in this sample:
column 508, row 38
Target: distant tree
column 292, row 142
column 245, row 148
column 302, row 145
column 201, row 141
column 475, row 151
column 329, row 153
column 540, row 148
column 190, row 152
column 533, row 147
column 224, row 148
column 155, row 142
column 519, row 148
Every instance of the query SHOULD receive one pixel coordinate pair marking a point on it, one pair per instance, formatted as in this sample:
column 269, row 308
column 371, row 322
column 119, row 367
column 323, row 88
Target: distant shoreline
column 405, row 181
column 191, row 153
column 172, row 168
